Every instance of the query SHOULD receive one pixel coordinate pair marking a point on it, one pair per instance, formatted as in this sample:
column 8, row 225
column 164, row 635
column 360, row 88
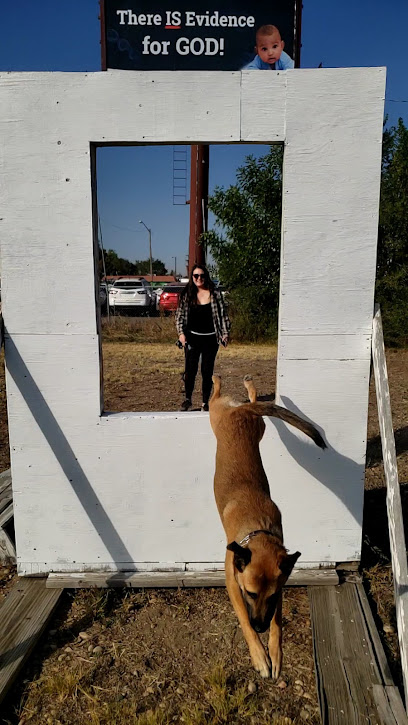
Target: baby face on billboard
column 269, row 47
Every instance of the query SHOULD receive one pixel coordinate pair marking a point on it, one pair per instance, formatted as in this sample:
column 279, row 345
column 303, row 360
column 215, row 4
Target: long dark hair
column 190, row 290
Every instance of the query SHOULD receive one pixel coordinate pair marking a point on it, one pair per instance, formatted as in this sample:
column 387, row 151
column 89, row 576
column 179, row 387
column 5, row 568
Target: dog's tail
column 276, row 411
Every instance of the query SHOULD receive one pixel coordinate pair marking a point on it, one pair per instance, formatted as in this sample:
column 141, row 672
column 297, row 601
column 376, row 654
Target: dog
column 257, row 565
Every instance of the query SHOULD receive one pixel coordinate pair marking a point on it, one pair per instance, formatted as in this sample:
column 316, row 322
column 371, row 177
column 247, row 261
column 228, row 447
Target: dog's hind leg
column 217, row 386
column 275, row 640
column 259, row 656
column 249, row 384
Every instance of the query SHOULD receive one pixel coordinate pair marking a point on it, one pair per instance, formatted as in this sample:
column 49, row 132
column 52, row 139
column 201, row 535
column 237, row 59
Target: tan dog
column 257, row 564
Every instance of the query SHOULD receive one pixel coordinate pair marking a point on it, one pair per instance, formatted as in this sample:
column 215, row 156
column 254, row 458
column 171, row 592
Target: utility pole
column 175, row 266
column 198, row 202
column 150, row 249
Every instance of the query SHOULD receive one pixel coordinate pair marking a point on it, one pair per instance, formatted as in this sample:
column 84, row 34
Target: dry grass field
column 162, row 656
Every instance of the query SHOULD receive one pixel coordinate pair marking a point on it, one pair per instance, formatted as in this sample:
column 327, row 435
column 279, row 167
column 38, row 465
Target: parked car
column 131, row 294
column 169, row 298
column 103, row 295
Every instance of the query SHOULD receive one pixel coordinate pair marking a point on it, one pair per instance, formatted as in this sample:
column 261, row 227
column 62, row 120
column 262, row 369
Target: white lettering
column 122, row 14
column 193, row 46
column 142, row 19
column 182, row 46
column 216, row 20
column 155, row 47
column 145, row 44
column 198, row 46
column 190, row 18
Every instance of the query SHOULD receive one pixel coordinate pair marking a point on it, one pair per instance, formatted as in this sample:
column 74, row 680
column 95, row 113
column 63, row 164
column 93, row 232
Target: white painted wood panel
column 394, row 508
column 324, row 347
column 125, row 490
column 331, row 187
column 49, row 120
column 265, row 119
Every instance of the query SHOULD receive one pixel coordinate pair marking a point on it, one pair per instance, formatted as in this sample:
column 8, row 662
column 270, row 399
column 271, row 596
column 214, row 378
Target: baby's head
column 269, row 44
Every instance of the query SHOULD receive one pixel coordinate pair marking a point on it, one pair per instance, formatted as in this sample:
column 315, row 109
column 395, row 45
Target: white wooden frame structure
column 394, row 508
column 95, row 491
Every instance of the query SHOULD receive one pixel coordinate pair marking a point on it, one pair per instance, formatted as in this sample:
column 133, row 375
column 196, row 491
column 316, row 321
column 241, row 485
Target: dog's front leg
column 259, row 657
column 275, row 640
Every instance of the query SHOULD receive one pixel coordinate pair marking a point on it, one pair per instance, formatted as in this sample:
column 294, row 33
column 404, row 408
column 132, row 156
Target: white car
column 130, row 294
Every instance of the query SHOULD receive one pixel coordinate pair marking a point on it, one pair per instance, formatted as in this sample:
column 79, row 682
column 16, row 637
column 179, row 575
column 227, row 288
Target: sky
column 137, row 182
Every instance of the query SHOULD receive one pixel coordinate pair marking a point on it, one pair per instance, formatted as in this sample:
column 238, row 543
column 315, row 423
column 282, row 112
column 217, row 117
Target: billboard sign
column 224, row 36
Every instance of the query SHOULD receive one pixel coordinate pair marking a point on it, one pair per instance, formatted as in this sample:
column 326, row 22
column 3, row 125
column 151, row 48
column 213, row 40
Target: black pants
column 205, row 346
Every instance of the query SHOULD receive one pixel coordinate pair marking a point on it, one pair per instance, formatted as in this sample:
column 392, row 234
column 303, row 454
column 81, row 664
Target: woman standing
column 202, row 324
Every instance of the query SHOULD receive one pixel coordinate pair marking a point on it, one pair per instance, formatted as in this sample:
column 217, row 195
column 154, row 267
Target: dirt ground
column 162, row 656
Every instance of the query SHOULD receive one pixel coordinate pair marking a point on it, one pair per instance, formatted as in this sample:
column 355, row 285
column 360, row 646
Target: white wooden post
column 394, row 508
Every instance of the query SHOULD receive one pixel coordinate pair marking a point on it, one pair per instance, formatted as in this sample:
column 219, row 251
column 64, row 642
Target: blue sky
column 136, row 183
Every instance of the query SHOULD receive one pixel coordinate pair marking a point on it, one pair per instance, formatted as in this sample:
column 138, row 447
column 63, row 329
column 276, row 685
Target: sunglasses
column 199, row 276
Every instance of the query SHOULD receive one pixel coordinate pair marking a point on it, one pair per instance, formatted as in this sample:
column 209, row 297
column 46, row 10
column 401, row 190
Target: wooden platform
column 23, row 616
column 182, row 579
column 354, row 682
column 7, row 548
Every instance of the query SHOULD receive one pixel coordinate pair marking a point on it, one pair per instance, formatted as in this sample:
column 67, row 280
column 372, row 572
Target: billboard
column 212, row 35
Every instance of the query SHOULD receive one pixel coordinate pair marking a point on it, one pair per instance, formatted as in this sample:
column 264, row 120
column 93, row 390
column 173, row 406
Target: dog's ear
column 242, row 556
column 288, row 562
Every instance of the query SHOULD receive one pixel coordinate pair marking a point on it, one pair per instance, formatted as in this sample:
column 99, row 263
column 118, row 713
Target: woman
column 202, row 324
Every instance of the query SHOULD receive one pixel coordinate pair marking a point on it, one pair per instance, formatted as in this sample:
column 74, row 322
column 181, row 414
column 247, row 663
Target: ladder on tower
column 180, row 174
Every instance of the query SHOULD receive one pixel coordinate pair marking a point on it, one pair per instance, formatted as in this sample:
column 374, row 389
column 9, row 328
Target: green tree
column 392, row 257
column 143, row 266
column 117, row 265
column 246, row 243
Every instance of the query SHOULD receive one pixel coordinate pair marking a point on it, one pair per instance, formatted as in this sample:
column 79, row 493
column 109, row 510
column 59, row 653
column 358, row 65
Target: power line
column 126, row 229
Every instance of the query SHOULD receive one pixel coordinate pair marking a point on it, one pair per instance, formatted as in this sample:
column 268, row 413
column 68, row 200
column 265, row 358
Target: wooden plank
column 347, row 659
column 5, row 480
column 6, row 497
column 394, row 698
column 71, row 580
column 389, row 704
column 383, row 706
column 6, row 515
column 23, row 617
column 375, row 637
column 7, row 548
column 394, row 508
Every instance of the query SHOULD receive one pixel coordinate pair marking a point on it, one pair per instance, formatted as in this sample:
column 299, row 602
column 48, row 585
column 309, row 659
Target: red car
column 169, row 298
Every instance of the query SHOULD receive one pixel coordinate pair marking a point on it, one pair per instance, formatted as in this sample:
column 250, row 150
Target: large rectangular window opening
column 142, row 225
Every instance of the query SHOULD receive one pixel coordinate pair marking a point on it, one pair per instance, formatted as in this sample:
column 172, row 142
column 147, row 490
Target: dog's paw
column 275, row 653
column 261, row 661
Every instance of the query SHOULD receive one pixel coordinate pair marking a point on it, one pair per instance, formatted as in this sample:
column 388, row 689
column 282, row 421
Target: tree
column 117, row 265
column 143, row 266
column 246, row 242
column 392, row 257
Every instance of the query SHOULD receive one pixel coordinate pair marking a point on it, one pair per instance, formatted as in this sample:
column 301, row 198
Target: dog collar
column 250, row 536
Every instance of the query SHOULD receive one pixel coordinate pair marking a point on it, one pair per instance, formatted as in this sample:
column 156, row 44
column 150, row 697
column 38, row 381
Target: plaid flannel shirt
column 222, row 324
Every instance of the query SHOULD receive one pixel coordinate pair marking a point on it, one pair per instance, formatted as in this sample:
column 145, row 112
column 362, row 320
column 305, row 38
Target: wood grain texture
column 111, row 491
column 23, row 618
column 394, row 508
column 7, row 548
column 137, row 580
column 263, row 120
column 49, row 121
column 350, row 684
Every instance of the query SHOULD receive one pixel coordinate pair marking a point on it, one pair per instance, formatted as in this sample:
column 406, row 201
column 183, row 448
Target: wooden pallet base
column 182, row 579
column 354, row 682
column 23, row 617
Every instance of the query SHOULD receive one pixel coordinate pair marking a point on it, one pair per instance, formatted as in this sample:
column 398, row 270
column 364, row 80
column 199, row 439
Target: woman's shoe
column 205, row 407
column 186, row 404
